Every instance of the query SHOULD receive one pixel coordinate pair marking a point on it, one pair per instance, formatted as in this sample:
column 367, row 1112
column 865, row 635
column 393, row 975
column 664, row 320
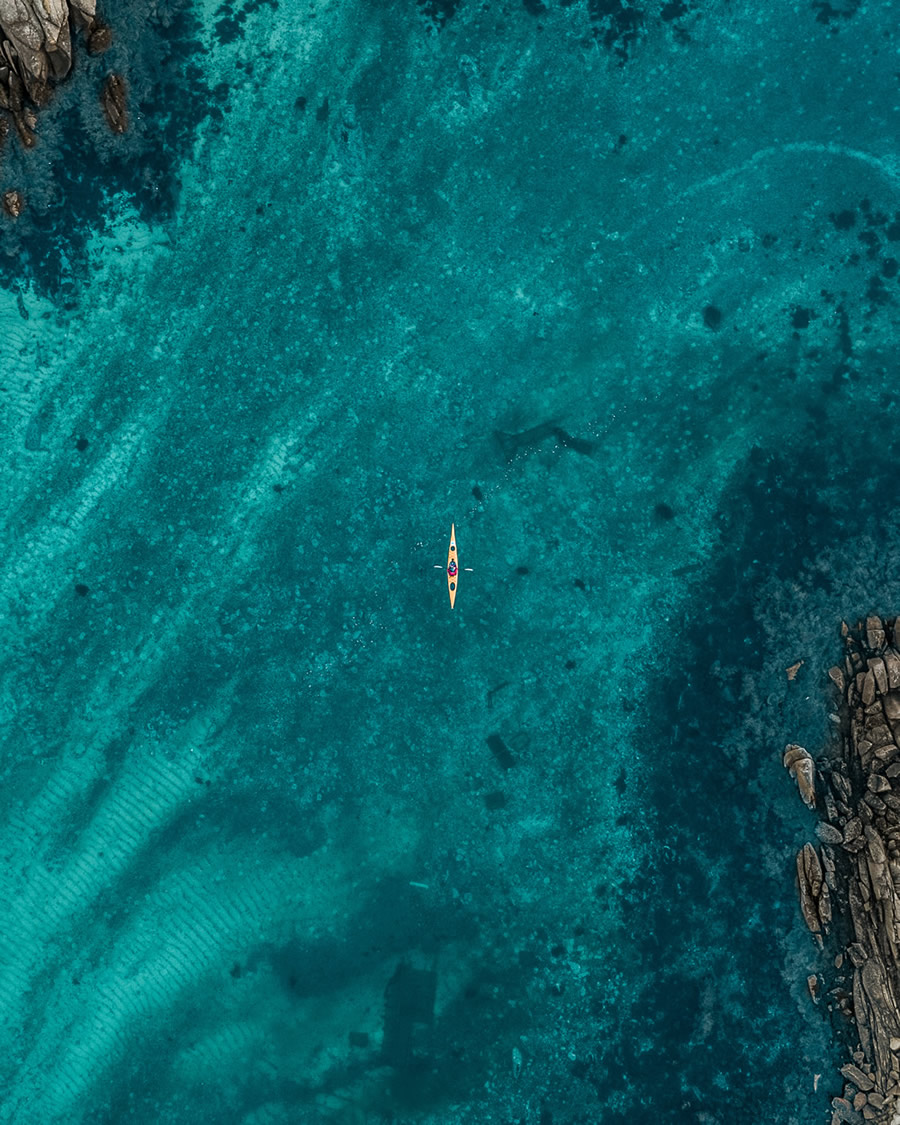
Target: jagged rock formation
column 850, row 889
column 36, row 51
column 37, row 41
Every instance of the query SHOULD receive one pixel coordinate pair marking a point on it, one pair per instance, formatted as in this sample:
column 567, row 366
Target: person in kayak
column 451, row 569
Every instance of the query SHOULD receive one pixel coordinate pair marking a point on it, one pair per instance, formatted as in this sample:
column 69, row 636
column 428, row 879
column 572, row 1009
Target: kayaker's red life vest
column 451, row 569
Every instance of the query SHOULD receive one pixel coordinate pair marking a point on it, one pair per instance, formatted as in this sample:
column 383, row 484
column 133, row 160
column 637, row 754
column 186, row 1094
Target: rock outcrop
column 850, row 887
column 13, row 203
column 801, row 765
column 36, row 51
column 37, row 39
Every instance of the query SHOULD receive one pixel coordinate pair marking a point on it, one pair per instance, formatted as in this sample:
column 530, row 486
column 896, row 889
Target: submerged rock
column 100, row 39
column 113, row 99
column 844, row 1112
column 13, row 203
column 801, row 765
column 862, row 870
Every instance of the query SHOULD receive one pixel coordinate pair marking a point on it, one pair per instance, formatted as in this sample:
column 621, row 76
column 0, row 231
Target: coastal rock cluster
column 36, row 51
column 850, row 885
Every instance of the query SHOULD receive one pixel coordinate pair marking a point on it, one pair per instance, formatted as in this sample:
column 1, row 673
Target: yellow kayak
column 452, row 566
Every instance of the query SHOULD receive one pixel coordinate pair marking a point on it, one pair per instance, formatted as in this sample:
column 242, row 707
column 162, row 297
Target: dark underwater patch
column 673, row 10
column 876, row 293
column 870, row 240
column 408, row 1006
column 502, row 754
column 230, row 22
column 712, row 317
column 439, row 12
column 617, row 25
column 229, row 27
column 844, row 220
column 827, row 13
column 568, row 441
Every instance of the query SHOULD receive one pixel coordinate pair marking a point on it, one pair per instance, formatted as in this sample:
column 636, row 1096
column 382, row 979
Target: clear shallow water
column 262, row 862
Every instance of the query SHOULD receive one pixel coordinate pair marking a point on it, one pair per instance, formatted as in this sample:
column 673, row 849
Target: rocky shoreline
column 36, row 51
column 850, row 885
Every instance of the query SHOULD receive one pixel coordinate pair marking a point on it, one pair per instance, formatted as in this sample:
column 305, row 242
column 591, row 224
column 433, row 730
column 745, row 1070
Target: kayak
column 452, row 566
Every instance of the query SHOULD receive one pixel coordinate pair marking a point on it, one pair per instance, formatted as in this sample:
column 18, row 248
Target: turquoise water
column 283, row 838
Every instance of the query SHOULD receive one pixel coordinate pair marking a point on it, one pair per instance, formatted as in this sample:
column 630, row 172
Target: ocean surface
column 614, row 288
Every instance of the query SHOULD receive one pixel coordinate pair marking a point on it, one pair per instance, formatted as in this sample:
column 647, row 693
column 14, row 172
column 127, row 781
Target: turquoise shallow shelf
column 612, row 288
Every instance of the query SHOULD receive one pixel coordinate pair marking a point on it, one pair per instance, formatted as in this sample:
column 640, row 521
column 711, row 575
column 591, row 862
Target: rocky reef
column 850, row 886
column 36, row 51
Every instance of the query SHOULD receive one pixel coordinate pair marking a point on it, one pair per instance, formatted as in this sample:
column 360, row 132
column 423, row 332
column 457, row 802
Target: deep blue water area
column 699, row 790
column 611, row 287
